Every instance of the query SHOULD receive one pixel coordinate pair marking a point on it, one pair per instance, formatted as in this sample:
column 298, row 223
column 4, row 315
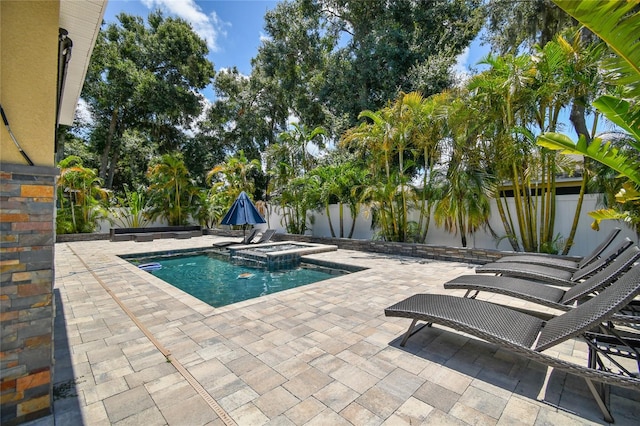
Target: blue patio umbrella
column 243, row 212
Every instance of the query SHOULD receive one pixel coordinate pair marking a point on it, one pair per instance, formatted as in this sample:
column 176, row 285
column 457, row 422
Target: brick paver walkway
column 323, row 354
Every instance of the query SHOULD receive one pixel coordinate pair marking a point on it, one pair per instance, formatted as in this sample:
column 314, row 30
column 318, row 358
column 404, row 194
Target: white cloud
column 209, row 27
column 461, row 61
column 83, row 114
column 264, row 37
column 460, row 69
column 292, row 119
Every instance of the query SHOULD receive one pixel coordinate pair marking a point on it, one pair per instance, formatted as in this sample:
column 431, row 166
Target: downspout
column 65, row 46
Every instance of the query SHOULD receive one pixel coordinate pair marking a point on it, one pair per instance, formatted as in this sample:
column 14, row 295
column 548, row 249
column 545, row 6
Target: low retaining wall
column 149, row 234
column 457, row 254
column 69, row 238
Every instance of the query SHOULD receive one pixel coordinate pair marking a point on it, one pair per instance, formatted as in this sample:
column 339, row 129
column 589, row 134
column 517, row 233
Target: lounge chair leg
column 412, row 330
column 467, row 294
column 600, row 397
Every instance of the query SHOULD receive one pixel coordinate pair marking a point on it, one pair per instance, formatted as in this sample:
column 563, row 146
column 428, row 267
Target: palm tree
column 171, row 191
column 327, row 178
column 297, row 197
column 296, row 142
column 516, row 98
column 502, row 98
column 234, row 175
column 79, row 194
column 464, row 205
column 616, row 23
column 575, row 61
column 432, row 125
column 340, row 183
column 288, row 161
column 388, row 142
column 210, row 207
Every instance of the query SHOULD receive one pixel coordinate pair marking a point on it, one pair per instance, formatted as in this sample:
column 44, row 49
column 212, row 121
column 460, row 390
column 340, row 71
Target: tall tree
column 247, row 115
column 144, row 77
column 514, row 26
column 336, row 58
column 288, row 161
column 395, row 142
column 464, row 206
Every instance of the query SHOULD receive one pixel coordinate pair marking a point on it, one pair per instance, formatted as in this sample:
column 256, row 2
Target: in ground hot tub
column 276, row 255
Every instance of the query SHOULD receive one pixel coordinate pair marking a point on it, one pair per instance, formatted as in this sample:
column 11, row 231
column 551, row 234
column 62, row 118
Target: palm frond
column 623, row 114
column 618, row 24
column 605, row 153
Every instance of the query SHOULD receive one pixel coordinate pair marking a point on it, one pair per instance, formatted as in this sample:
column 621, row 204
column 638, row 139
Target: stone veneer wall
column 27, row 206
column 425, row 251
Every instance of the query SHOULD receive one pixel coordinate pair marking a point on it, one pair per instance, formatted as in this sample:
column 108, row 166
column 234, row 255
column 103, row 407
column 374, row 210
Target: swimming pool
column 211, row 278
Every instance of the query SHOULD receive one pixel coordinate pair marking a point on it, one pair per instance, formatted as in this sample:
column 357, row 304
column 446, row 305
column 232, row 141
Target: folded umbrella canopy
column 242, row 212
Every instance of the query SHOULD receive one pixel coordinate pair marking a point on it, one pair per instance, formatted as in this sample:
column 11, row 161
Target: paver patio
column 322, row 354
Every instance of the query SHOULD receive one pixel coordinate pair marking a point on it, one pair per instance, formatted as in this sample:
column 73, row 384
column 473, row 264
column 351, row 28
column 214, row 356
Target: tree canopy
column 144, row 78
column 333, row 59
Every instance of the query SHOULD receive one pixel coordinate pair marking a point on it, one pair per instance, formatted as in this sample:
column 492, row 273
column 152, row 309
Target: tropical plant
column 464, row 206
column 517, row 98
column 79, row 194
column 210, row 206
column 340, row 183
column 131, row 210
column 288, row 161
column 297, row 198
column 432, row 132
column 293, row 147
column 582, row 81
column 617, row 24
column 389, row 142
column 235, row 175
column 171, row 191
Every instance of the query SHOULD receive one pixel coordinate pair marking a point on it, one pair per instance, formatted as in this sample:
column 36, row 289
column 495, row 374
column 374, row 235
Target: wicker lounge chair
column 563, row 263
column 542, row 294
column 246, row 240
column 528, row 335
column 553, row 275
column 265, row 237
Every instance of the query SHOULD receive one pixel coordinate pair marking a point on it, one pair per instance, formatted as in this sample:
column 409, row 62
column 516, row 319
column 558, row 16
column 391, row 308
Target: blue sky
column 232, row 28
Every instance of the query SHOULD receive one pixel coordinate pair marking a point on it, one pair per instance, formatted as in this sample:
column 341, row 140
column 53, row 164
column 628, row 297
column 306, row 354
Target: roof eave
column 82, row 19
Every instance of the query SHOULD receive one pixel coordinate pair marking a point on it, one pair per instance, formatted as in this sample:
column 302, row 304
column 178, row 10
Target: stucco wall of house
column 28, row 78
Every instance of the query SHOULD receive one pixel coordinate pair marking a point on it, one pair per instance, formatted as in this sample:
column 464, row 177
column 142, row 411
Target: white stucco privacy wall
column 585, row 239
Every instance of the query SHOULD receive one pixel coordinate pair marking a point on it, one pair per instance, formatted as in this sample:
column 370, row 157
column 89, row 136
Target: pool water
column 216, row 281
